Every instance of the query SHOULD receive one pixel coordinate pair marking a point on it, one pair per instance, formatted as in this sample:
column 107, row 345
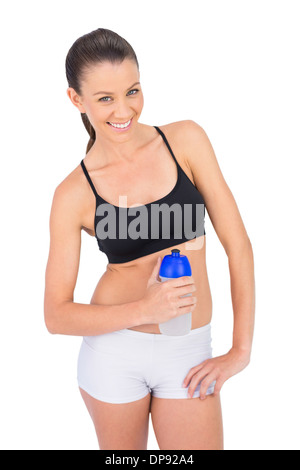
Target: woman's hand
column 218, row 369
column 164, row 301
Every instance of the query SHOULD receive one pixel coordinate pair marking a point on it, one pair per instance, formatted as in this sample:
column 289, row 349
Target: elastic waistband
column 160, row 337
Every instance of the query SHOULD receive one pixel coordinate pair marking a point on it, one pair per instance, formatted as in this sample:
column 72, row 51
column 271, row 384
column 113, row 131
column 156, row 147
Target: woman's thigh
column 190, row 424
column 120, row 426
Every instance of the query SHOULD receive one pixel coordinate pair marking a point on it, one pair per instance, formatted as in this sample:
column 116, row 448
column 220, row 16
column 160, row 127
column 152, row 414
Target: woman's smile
column 119, row 127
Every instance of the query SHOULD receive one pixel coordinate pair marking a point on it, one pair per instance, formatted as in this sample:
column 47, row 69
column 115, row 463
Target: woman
column 126, row 367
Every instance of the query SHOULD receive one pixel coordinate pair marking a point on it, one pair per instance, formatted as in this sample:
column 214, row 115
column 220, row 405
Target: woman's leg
column 120, row 426
column 190, row 423
column 180, row 422
column 112, row 382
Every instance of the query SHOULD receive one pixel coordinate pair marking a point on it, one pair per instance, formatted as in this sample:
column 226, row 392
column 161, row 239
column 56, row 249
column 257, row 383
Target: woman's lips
column 119, row 129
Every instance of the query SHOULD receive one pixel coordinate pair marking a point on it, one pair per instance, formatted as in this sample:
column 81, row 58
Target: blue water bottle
column 172, row 266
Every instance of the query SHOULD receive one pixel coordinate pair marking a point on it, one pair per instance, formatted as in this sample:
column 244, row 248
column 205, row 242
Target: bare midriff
column 127, row 282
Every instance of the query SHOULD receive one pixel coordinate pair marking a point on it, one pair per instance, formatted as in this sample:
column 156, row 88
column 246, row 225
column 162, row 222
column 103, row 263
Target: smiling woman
column 91, row 67
column 126, row 367
column 118, row 109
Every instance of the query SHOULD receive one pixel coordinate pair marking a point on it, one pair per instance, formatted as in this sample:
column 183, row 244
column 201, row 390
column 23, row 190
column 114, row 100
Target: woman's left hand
column 218, row 369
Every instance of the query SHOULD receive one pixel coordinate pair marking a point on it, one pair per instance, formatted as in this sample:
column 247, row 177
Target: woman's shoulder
column 184, row 125
column 177, row 124
column 69, row 187
column 184, row 137
column 182, row 133
column 71, row 193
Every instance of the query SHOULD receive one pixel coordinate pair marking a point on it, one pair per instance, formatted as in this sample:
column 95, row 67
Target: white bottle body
column 178, row 326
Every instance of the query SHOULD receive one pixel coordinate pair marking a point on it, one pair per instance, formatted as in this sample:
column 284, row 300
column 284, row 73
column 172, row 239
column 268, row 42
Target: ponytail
column 90, row 130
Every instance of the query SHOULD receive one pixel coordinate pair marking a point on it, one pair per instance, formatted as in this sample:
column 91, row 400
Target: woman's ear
column 75, row 99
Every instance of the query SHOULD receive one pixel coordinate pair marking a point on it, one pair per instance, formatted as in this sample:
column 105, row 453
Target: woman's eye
column 134, row 90
column 104, row 99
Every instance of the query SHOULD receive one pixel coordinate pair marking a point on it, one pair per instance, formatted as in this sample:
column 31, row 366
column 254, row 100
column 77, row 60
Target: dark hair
column 101, row 45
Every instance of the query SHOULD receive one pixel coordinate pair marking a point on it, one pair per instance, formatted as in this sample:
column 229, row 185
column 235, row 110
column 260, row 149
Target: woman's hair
column 99, row 46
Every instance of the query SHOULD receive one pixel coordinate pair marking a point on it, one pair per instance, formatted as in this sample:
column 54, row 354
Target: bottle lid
column 175, row 265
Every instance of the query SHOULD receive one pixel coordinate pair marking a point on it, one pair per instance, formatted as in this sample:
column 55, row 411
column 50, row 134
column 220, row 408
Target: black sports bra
column 128, row 233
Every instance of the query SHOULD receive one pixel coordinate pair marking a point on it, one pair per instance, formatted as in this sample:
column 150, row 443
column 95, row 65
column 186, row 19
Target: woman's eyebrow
column 110, row 93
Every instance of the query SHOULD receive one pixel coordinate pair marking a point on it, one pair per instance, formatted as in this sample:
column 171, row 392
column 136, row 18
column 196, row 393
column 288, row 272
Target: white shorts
column 126, row 365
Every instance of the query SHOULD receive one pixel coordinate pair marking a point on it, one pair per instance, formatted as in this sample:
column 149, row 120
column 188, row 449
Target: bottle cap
column 175, row 265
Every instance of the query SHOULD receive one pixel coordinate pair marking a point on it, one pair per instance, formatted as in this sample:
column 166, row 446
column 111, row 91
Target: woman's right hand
column 162, row 301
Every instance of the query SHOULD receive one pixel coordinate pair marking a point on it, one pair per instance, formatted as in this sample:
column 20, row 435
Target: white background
column 233, row 67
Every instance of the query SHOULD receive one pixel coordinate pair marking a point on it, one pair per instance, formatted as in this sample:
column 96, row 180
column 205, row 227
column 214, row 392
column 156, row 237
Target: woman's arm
column 62, row 315
column 70, row 318
column 229, row 227
column 241, row 267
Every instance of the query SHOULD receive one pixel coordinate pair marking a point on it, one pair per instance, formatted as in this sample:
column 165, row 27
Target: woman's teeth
column 120, row 126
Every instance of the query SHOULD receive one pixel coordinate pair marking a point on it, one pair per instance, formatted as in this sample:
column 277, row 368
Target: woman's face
column 111, row 94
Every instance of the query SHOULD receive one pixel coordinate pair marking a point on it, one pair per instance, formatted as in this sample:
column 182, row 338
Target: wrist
column 242, row 353
column 141, row 312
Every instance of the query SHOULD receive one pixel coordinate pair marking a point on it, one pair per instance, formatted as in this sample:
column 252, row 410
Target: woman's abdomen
column 124, row 283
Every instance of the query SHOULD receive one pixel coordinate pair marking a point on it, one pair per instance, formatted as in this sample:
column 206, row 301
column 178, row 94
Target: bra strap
column 166, row 142
column 88, row 178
